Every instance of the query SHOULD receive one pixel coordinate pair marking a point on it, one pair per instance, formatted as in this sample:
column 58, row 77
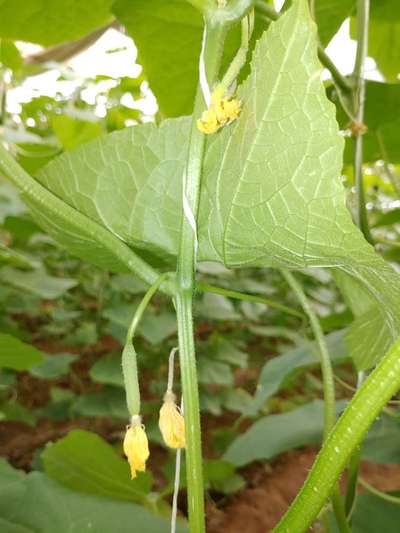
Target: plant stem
column 211, row 54
column 142, row 306
column 236, row 295
column 359, row 102
column 375, row 392
column 328, row 386
column 327, row 62
column 379, row 493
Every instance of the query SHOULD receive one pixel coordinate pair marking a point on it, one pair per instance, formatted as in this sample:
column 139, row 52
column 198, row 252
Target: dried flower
column 136, row 446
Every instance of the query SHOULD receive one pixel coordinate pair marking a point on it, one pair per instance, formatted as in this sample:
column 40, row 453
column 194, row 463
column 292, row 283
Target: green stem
column 359, row 103
column 379, row 493
column 45, row 200
column 327, row 62
column 388, row 242
column 236, row 295
column 328, row 386
column 375, row 392
column 215, row 36
column 142, row 306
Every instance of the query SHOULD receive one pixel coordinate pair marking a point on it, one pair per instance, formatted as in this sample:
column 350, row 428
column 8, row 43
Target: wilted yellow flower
column 227, row 110
column 136, row 447
column 172, row 423
column 208, row 122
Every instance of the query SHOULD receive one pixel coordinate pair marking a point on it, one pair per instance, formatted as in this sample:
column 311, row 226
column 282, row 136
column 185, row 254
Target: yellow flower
column 221, row 111
column 208, row 122
column 136, row 447
column 172, row 423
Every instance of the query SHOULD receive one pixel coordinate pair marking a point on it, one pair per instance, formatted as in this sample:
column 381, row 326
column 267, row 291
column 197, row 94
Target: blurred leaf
column 275, row 434
column 373, row 514
column 16, row 354
column 72, row 132
column 47, row 22
column 53, row 366
column 10, row 56
column 37, row 282
column 217, row 307
column 156, row 328
column 110, row 401
column 214, row 372
column 14, row 411
column 48, row 507
column 238, row 400
column 10, row 204
column 276, row 371
column 384, row 37
column 387, row 219
column 329, row 15
column 108, row 370
column 85, row 333
column 382, row 442
column 84, row 462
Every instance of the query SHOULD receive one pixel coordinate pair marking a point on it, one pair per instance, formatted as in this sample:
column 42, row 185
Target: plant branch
column 359, row 103
column 328, row 385
column 374, row 393
column 235, row 295
column 214, row 37
column 327, row 62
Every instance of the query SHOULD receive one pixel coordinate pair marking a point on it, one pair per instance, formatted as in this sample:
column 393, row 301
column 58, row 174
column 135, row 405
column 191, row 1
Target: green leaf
column 275, row 434
column 10, row 56
column 37, row 282
column 53, row 366
column 373, row 514
column 16, row 354
column 384, row 37
column 108, row 370
column 83, row 461
column 46, row 22
column 48, row 507
column 214, row 372
column 278, row 370
column 108, row 402
column 382, row 443
column 329, row 15
column 71, row 132
column 129, row 182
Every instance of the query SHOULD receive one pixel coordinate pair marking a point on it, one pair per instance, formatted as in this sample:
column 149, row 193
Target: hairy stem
column 375, row 392
column 211, row 55
column 328, row 386
column 359, row 103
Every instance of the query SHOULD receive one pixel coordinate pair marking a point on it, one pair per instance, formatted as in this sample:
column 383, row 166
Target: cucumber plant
column 250, row 179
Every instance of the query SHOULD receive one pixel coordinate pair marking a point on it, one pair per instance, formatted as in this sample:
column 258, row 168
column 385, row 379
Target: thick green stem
column 236, row 295
column 211, row 55
column 328, row 386
column 348, row 433
column 359, row 101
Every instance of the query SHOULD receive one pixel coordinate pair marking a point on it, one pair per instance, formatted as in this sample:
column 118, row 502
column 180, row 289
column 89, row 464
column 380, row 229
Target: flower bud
column 136, row 446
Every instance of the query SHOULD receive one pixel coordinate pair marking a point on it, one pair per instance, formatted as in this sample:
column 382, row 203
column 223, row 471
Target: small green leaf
column 108, row 402
column 10, row 56
column 108, row 370
column 37, row 282
column 53, row 366
column 16, row 354
column 329, row 15
column 71, row 132
column 83, row 461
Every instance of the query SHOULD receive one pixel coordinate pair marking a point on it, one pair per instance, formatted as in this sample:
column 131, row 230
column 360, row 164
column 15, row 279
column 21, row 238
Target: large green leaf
column 129, row 181
column 84, row 462
column 47, row 22
column 34, row 503
column 16, row 354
